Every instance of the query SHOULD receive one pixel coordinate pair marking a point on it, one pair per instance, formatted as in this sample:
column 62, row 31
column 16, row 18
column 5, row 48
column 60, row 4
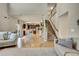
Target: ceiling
column 30, row 12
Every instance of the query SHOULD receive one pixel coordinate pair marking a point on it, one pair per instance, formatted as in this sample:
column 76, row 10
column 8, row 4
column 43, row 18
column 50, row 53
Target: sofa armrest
column 71, row 54
column 55, row 41
column 64, row 50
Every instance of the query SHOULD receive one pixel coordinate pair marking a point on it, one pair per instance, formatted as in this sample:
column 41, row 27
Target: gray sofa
column 10, row 42
column 64, row 51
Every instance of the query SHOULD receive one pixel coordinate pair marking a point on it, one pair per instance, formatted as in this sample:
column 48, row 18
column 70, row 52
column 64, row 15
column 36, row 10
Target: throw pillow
column 66, row 42
column 12, row 36
column 5, row 36
column 1, row 35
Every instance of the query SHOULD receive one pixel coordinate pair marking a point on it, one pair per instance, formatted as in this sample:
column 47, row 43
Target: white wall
column 73, row 17
column 66, row 17
column 3, row 13
column 9, row 23
column 12, row 24
column 3, row 10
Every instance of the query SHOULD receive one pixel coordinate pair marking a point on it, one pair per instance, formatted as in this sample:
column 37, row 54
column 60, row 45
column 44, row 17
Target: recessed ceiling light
column 72, row 30
column 51, row 8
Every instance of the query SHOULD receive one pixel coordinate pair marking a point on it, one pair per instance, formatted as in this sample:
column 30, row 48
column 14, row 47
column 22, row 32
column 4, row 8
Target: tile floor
column 35, row 42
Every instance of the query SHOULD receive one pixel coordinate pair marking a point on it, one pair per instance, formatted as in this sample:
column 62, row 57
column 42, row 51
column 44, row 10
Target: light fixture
column 51, row 8
column 5, row 17
column 72, row 30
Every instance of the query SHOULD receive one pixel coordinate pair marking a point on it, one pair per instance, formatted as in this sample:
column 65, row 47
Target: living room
column 51, row 28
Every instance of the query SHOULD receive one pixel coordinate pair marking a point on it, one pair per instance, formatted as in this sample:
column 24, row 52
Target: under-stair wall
column 51, row 31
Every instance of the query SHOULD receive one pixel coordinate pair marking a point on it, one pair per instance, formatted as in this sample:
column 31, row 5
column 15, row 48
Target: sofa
column 11, row 41
column 65, row 51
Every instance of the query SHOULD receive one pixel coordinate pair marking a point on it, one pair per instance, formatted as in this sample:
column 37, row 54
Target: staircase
column 51, row 30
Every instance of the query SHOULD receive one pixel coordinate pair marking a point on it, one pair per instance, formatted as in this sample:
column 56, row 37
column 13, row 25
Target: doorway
column 24, row 29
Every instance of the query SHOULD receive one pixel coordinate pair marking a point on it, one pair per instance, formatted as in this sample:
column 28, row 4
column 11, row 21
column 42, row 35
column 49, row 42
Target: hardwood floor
column 35, row 42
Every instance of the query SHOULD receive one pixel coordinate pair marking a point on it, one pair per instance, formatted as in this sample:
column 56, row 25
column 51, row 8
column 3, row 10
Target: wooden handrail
column 52, row 16
column 54, row 8
column 52, row 11
column 50, row 26
column 53, row 25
